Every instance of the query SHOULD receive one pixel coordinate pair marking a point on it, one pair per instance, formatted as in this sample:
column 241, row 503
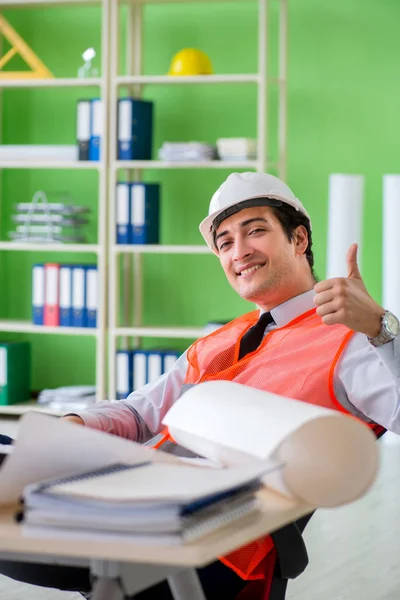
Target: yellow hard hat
column 190, row 61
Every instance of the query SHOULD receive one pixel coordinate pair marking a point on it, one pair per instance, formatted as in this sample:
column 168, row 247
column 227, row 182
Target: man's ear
column 300, row 239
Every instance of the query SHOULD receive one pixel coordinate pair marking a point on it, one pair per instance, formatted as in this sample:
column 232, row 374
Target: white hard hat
column 240, row 187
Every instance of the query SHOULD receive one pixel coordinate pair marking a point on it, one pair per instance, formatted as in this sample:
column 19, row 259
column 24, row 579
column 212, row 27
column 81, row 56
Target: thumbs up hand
column 346, row 300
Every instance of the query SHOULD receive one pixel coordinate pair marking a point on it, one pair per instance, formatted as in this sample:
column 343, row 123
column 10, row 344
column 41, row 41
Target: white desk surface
column 274, row 514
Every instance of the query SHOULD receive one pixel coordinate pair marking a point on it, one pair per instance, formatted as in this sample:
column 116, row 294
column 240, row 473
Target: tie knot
column 265, row 319
column 252, row 338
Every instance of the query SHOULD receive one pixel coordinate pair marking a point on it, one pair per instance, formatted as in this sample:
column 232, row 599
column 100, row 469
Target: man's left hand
column 346, row 300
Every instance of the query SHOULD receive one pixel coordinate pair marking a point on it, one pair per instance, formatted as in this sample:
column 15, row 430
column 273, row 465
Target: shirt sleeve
column 140, row 416
column 367, row 381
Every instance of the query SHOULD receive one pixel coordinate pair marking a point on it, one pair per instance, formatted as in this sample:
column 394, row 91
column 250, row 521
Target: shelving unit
column 106, row 251
column 135, row 80
column 99, row 250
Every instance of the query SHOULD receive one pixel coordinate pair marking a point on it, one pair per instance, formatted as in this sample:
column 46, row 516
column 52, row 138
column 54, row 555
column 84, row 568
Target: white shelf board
column 49, row 247
column 167, row 332
column 16, row 3
column 17, row 410
column 28, row 327
column 50, row 164
column 187, row 79
column 158, row 249
column 51, row 82
column 203, row 164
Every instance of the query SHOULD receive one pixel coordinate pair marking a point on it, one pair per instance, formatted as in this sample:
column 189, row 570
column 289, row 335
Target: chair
column 291, row 551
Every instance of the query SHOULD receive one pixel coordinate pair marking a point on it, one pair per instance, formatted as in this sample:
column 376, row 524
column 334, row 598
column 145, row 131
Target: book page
column 329, row 457
column 49, row 447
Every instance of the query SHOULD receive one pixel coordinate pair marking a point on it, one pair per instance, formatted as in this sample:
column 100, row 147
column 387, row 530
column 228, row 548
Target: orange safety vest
column 297, row 361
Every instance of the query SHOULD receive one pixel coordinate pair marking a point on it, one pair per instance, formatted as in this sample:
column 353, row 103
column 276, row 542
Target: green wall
column 343, row 113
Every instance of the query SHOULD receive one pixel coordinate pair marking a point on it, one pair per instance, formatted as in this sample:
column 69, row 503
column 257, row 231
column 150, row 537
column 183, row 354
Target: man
column 327, row 343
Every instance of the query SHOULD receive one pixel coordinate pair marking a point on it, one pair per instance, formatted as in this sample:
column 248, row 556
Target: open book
column 310, row 454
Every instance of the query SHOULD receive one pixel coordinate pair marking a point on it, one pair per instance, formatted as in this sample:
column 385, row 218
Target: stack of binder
column 15, row 370
column 136, row 368
column 137, row 213
column 89, row 128
column 49, row 222
column 64, row 295
column 135, row 129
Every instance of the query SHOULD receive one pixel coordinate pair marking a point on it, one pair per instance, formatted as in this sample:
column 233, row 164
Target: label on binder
column 52, row 304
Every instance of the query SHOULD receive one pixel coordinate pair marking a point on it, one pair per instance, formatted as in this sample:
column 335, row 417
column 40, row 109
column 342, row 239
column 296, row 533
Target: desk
column 139, row 566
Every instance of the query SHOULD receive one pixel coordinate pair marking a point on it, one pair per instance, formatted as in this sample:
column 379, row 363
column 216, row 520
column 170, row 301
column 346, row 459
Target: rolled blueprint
column 345, row 213
column 390, row 251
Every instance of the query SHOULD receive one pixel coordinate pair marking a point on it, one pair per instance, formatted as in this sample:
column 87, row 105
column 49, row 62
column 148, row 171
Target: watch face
column 392, row 324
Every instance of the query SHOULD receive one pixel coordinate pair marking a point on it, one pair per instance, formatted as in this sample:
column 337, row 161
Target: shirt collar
column 289, row 310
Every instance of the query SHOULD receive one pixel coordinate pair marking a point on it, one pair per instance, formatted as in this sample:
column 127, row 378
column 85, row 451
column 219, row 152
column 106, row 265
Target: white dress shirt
column 366, row 383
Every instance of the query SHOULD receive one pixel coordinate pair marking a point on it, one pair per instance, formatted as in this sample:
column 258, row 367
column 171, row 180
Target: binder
column 52, row 299
column 38, row 290
column 123, row 213
column 139, row 369
column 145, row 213
column 91, row 296
column 154, row 366
column 15, row 369
column 124, row 374
column 96, row 129
column 83, row 128
column 135, row 129
column 169, row 359
column 79, row 313
column 3, row 376
column 66, row 296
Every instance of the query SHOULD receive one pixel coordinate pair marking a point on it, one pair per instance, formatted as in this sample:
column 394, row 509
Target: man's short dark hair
column 290, row 219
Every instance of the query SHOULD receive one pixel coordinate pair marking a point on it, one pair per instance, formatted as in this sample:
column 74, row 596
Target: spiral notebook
column 158, row 502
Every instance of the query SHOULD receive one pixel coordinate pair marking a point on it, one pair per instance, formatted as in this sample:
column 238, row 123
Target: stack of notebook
column 150, row 502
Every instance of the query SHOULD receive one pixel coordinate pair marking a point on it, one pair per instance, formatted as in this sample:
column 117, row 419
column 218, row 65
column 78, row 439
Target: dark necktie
column 252, row 338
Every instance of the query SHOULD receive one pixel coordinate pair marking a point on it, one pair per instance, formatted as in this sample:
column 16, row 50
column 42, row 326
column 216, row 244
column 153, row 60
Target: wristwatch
column 390, row 328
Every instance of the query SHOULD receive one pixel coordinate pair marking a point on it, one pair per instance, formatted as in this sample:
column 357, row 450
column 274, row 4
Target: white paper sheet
column 391, row 222
column 48, row 447
column 329, row 458
column 345, row 213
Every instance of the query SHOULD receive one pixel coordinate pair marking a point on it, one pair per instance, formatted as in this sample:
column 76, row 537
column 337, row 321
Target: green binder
column 15, row 372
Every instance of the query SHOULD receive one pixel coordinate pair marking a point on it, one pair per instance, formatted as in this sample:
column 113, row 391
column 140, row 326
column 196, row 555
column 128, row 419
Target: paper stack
column 237, row 148
column 38, row 152
column 186, row 151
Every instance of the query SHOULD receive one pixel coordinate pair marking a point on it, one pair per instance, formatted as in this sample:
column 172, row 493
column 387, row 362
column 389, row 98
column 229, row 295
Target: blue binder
column 79, row 312
column 145, row 213
column 124, row 383
column 91, row 296
column 122, row 216
column 66, row 295
column 96, row 129
column 135, row 129
column 154, row 365
column 139, row 369
column 38, row 294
